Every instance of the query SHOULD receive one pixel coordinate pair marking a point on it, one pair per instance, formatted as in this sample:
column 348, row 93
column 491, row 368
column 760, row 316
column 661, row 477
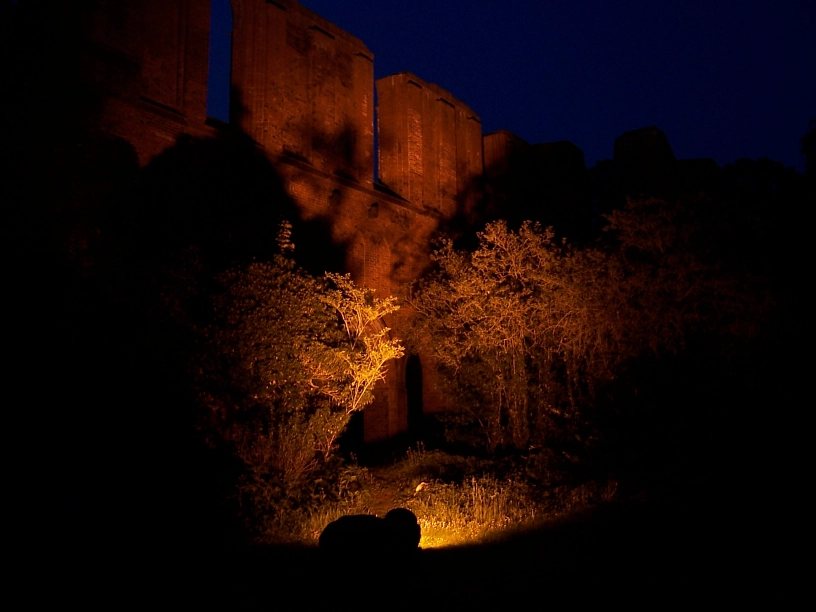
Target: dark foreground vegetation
column 674, row 547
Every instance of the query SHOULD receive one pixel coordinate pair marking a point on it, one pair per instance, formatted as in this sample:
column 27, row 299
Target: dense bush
column 286, row 362
column 298, row 511
column 526, row 330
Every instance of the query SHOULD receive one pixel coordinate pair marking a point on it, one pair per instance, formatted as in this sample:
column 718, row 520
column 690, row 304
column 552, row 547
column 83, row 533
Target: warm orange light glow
column 456, row 514
column 437, row 535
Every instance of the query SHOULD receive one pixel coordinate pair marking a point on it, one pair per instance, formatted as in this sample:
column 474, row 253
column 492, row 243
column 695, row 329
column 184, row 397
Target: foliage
column 289, row 358
column 457, row 513
column 347, row 374
column 525, row 329
column 251, row 379
column 668, row 271
column 485, row 507
column 457, row 499
column 497, row 321
column 462, row 499
column 299, row 513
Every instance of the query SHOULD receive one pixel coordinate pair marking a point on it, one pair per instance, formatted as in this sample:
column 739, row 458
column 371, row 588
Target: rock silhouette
column 396, row 534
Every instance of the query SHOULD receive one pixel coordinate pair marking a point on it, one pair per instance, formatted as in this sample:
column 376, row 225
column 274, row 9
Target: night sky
column 725, row 79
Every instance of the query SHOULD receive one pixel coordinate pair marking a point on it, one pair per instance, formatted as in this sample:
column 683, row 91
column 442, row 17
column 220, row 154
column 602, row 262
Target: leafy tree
column 525, row 329
column 492, row 319
column 347, row 373
column 290, row 358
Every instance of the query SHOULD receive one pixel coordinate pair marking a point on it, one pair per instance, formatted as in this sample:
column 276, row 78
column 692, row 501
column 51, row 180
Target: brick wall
column 151, row 58
column 306, row 87
column 430, row 143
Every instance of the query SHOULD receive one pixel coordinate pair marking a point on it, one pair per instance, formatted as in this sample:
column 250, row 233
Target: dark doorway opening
column 413, row 389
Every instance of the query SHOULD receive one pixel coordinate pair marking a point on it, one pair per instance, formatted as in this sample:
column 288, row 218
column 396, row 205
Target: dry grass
column 459, row 513
column 457, row 500
column 310, row 524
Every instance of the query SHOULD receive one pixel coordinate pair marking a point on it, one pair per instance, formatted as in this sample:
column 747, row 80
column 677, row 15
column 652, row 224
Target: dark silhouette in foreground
column 396, row 534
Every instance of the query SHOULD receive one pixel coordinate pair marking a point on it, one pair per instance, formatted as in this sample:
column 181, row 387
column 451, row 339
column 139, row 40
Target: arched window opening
column 218, row 77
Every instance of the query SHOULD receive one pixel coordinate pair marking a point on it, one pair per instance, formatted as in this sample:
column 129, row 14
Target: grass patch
column 457, row 499
column 298, row 516
column 465, row 512
column 461, row 500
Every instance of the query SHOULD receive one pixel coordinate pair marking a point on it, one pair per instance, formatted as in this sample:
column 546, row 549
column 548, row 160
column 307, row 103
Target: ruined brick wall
column 305, row 86
column 151, row 58
column 430, row 143
column 303, row 89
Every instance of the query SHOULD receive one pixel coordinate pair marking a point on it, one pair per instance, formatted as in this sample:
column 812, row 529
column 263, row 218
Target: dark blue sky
column 722, row 78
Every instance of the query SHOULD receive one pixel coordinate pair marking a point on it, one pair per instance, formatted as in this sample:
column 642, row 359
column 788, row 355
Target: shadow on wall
column 326, row 170
column 219, row 195
column 223, row 195
column 339, row 149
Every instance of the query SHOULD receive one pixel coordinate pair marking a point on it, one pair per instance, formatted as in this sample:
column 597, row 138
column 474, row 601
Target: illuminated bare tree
column 347, row 373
